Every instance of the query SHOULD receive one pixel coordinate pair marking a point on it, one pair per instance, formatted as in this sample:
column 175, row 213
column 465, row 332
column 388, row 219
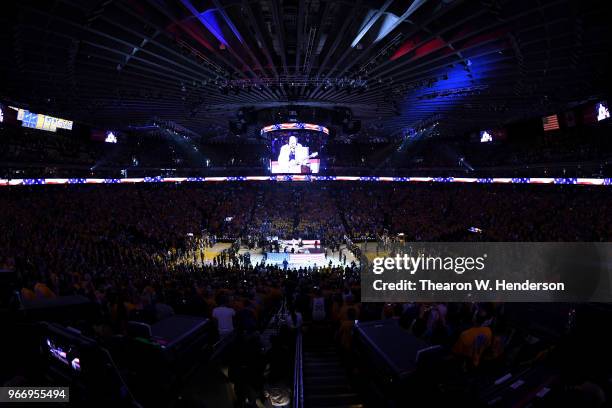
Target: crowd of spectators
column 112, row 242
column 130, row 249
column 40, row 222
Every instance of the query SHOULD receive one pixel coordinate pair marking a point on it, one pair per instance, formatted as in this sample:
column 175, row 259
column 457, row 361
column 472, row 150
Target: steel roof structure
column 466, row 64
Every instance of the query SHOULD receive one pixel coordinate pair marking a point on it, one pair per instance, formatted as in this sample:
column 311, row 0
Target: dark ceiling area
column 394, row 64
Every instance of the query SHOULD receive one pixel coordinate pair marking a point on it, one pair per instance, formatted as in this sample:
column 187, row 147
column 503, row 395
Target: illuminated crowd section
column 295, row 178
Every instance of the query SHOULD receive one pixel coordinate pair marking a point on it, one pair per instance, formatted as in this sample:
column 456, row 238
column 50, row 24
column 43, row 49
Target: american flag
column 31, row 182
column 318, row 258
column 566, row 181
column 76, row 181
column 550, row 122
column 591, row 181
column 156, row 179
column 520, row 180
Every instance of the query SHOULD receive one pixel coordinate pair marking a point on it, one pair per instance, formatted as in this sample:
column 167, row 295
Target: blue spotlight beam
column 413, row 7
column 216, row 31
column 228, row 21
column 370, row 23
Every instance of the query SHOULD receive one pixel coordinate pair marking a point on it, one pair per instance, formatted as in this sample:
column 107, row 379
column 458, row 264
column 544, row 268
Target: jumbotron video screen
column 295, row 148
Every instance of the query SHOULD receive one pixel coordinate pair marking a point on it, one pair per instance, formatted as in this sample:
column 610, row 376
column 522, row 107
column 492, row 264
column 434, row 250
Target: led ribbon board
column 294, row 126
column 607, row 182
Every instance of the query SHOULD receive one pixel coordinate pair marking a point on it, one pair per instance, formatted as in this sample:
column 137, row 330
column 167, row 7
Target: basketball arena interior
column 302, row 203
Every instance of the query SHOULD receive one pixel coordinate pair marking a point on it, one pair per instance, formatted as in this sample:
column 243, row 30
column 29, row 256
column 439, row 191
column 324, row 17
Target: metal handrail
column 298, row 380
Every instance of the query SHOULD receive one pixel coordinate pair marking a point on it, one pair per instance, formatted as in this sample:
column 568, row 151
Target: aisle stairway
column 326, row 383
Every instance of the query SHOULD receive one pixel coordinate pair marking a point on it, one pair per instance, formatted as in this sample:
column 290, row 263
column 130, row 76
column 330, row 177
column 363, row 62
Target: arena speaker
column 237, row 127
column 246, row 115
column 352, row 127
column 341, row 116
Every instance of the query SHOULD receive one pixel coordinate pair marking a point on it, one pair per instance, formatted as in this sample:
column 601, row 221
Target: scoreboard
column 42, row 122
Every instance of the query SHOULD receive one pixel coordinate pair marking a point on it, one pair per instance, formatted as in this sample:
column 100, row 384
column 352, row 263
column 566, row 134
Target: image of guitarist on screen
column 294, row 158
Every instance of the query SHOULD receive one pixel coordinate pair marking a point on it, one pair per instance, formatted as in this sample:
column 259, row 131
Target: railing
column 298, row 381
